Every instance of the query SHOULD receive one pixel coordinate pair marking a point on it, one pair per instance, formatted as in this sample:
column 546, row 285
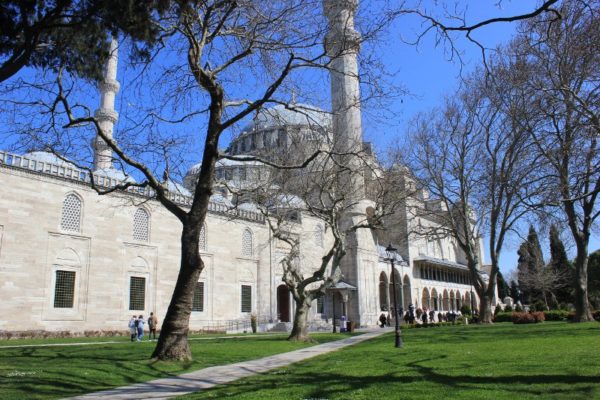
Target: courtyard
column 552, row 360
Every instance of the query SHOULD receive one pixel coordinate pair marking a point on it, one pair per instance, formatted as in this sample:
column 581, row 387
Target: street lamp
column 391, row 255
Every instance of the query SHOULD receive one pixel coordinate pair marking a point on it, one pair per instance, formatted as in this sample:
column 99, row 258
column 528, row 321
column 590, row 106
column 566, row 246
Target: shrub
column 503, row 317
column 538, row 316
column 596, row 315
column 527, row 318
column 556, row 315
column 253, row 322
column 498, row 309
column 539, row 306
column 518, row 308
column 508, row 308
column 465, row 309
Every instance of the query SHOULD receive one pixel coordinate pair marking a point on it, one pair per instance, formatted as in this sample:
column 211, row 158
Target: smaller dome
column 287, row 201
column 219, row 199
column 47, row 157
column 113, row 173
column 248, row 207
column 175, row 187
column 224, row 162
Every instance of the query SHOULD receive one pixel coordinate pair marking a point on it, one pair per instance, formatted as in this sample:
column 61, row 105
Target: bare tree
column 473, row 159
column 208, row 47
column 546, row 281
column 322, row 193
column 562, row 60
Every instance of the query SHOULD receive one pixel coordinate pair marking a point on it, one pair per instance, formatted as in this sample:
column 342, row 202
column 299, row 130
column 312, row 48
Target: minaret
column 106, row 114
column 358, row 267
column 342, row 44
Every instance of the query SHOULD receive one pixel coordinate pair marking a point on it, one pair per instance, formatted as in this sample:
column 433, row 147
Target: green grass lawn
column 504, row 361
column 54, row 372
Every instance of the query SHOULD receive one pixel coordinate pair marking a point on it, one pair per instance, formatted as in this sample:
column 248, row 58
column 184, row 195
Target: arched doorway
column 446, row 301
column 283, row 303
column 425, row 299
column 384, row 303
column 398, row 281
column 406, row 288
column 458, row 301
column 434, row 297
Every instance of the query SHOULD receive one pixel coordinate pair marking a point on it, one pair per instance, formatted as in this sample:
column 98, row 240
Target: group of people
column 136, row 327
column 450, row 316
column 424, row 316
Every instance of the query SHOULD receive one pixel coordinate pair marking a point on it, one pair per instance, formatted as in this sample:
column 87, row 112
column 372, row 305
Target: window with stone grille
column 202, row 240
column 64, row 289
column 246, row 298
column 319, row 236
column 141, row 225
column 320, row 305
column 71, row 214
column 247, row 243
column 137, row 293
column 198, row 302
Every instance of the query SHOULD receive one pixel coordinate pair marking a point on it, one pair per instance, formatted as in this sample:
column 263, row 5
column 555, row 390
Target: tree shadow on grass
column 414, row 381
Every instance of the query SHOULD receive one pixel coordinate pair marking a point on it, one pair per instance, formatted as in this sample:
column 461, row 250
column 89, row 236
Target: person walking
column 152, row 324
column 140, row 328
column 132, row 328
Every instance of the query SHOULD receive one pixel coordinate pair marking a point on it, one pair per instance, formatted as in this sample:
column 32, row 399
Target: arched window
column 383, row 293
column 319, row 236
column 141, row 225
column 71, row 214
column 247, row 243
column 202, row 240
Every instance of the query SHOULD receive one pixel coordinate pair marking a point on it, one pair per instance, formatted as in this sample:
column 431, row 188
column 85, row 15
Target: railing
column 72, row 173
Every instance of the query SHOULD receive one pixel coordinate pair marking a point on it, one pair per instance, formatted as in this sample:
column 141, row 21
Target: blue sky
column 428, row 74
column 425, row 72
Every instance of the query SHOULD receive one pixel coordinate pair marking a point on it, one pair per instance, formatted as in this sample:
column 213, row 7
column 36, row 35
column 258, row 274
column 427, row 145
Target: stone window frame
column 145, row 293
column 202, row 239
column 246, row 305
column 63, row 215
column 247, row 242
column 72, row 289
column 201, row 309
column 319, row 236
column 137, row 234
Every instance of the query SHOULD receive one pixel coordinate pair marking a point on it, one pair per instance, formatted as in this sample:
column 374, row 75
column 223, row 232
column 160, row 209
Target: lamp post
column 391, row 255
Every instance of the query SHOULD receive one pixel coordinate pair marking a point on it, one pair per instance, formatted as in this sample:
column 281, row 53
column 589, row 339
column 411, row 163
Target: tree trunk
column 173, row 340
column 300, row 328
column 486, row 314
column 582, row 306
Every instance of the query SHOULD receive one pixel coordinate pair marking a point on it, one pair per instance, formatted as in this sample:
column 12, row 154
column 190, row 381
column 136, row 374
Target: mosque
column 74, row 260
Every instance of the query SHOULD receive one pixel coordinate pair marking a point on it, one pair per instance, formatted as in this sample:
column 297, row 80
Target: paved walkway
column 209, row 377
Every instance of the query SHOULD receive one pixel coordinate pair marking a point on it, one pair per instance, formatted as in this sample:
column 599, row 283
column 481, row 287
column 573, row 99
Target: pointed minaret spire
column 106, row 114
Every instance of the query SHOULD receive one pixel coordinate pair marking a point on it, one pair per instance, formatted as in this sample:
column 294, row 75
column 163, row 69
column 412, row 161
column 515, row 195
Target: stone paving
column 208, row 377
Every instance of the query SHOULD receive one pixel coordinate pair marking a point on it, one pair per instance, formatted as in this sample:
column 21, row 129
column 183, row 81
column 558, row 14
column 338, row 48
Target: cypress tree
column 561, row 265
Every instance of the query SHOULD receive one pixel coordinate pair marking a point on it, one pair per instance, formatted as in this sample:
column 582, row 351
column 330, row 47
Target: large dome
column 293, row 114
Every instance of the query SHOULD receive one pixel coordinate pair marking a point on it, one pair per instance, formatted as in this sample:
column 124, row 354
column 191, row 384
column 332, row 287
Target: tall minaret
column 359, row 266
column 106, row 114
column 342, row 44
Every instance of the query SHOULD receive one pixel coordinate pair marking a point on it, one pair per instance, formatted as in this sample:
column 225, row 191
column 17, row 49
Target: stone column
column 106, row 114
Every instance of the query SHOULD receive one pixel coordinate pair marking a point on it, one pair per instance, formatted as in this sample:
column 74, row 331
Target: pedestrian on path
column 132, row 328
column 140, row 328
column 152, row 324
